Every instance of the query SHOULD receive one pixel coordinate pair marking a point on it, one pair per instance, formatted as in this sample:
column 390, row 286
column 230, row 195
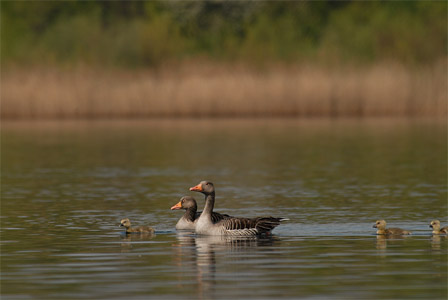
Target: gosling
column 141, row 229
column 435, row 225
column 381, row 225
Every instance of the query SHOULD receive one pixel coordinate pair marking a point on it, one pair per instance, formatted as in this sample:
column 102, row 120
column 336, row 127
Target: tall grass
column 218, row 90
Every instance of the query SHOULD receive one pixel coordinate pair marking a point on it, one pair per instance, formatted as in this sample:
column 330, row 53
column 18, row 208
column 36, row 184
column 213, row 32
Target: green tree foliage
column 138, row 33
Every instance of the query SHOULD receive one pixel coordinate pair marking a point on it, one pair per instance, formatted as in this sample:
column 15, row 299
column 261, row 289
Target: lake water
column 66, row 185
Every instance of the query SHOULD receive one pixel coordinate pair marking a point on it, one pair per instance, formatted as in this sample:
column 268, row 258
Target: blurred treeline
column 150, row 33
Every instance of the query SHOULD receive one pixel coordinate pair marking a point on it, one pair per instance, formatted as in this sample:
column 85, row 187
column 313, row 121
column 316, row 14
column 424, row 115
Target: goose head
column 380, row 224
column 125, row 223
column 185, row 202
column 204, row 187
column 435, row 224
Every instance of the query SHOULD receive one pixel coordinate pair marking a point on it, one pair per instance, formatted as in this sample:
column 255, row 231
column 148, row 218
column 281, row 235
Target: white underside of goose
column 184, row 224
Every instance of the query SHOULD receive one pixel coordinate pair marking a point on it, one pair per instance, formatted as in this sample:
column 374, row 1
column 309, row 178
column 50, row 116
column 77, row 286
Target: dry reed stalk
column 223, row 91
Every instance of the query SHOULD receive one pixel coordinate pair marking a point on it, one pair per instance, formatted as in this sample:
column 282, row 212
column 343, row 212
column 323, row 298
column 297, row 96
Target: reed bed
column 211, row 90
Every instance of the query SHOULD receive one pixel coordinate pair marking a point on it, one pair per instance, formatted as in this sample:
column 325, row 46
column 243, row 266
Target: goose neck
column 190, row 213
column 209, row 203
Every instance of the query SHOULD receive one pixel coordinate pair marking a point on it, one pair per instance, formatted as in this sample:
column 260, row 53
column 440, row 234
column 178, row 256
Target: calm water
column 66, row 185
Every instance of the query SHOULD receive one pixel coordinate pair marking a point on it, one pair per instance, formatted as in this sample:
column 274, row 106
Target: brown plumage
column 435, row 225
column 381, row 225
column 229, row 226
column 141, row 229
column 189, row 219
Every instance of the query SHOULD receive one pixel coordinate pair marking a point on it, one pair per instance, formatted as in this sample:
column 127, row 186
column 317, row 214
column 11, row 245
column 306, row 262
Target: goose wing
column 216, row 217
column 266, row 224
column 253, row 226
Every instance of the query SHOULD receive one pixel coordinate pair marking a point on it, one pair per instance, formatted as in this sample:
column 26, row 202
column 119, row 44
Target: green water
column 66, row 185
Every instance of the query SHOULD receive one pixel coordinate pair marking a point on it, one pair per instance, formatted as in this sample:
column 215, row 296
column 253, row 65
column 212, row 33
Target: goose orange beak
column 197, row 188
column 177, row 206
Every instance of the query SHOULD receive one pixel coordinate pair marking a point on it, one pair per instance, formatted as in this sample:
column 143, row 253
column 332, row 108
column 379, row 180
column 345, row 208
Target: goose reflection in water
column 127, row 239
column 382, row 240
column 436, row 240
column 200, row 252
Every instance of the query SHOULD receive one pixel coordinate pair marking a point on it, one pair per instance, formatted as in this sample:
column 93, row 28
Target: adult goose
column 230, row 226
column 382, row 230
column 435, row 225
column 191, row 216
column 141, row 229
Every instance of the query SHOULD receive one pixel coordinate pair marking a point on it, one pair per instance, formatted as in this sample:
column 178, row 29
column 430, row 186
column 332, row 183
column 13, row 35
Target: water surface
column 66, row 185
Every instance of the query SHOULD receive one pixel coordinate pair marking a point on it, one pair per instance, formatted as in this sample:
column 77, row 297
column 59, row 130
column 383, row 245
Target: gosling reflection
column 382, row 240
column 137, row 237
column 436, row 241
column 199, row 252
column 128, row 240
